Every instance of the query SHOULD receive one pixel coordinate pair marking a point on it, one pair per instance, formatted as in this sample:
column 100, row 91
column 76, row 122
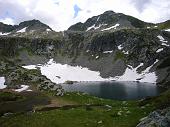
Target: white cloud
column 7, row 21
column 156, row 11
column 59, row 14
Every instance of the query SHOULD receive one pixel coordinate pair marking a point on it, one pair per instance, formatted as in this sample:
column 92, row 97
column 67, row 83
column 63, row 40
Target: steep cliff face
column 112, row 53
column 133, row 45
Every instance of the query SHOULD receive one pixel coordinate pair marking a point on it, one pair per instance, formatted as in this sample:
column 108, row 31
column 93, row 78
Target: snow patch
column 167, row 30
column 28, row 90
column 2, row 82
column 97, row 57
column 87, row 50
column 48, row 30
column 30, row 67
column 147, row 76
column 67, row 72
column 115, row 26
column 89, row 28
column 50, row 47
column 77, row 73
column 108, row 51
column 22, row 30
column 148, row 68
column 159, row 50
column 120, row 47
column 155, row 26
column 131, row 74
column 164, row 44
column 126, row 52
column 98, row 19
column 148, row 27
column 3, row 33
column 24, row 88
column 163, row 40
column 95, row 27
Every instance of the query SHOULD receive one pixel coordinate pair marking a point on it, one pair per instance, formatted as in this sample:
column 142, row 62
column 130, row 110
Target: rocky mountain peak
column 110, row 12
column 109, row 20
column 26, row 28
column 30, row 22
column 35, row 25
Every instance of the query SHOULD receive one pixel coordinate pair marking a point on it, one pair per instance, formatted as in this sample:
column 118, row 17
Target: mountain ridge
column 35, row 25
column 108, row 18
column 113, row 52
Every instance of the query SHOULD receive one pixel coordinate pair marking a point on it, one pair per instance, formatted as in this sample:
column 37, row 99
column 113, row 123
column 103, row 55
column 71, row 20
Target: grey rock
column 159, row 118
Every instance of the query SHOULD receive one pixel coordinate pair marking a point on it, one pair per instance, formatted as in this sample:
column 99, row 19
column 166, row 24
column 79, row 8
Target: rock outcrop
column 159, row 118
column 15, row 76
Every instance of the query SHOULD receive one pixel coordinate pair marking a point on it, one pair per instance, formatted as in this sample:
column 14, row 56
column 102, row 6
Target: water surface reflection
column 116, row 90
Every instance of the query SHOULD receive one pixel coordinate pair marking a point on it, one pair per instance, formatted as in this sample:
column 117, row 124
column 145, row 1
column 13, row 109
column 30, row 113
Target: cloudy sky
column 60, row 14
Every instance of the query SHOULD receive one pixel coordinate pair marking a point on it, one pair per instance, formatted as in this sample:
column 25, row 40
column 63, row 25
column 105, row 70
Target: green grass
column 119, row 55
column 88, row 111
column 78, row 117
column 164, row 25
column 86, row 115
column 81, row 98
column 7, row 96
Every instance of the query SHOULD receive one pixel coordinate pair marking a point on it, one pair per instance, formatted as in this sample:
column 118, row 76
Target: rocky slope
column 112, row 43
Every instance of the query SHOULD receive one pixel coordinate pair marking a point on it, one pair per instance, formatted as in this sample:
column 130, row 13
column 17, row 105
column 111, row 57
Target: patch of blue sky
column 77, row 9
column 7, row 14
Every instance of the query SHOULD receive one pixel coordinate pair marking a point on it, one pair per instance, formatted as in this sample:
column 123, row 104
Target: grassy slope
column 82, row 116
column 164, row 25
column 7, row 96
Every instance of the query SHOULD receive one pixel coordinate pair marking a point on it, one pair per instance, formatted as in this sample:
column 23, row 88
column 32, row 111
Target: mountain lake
column 125, row 90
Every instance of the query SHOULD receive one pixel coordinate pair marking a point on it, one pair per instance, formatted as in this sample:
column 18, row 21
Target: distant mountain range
column 115, row 44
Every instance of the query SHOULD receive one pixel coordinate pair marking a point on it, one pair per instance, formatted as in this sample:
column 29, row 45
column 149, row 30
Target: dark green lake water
column 116, row 90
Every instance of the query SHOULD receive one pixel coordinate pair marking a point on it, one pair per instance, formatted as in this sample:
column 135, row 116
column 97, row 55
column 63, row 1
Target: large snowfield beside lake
column 59, row 73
